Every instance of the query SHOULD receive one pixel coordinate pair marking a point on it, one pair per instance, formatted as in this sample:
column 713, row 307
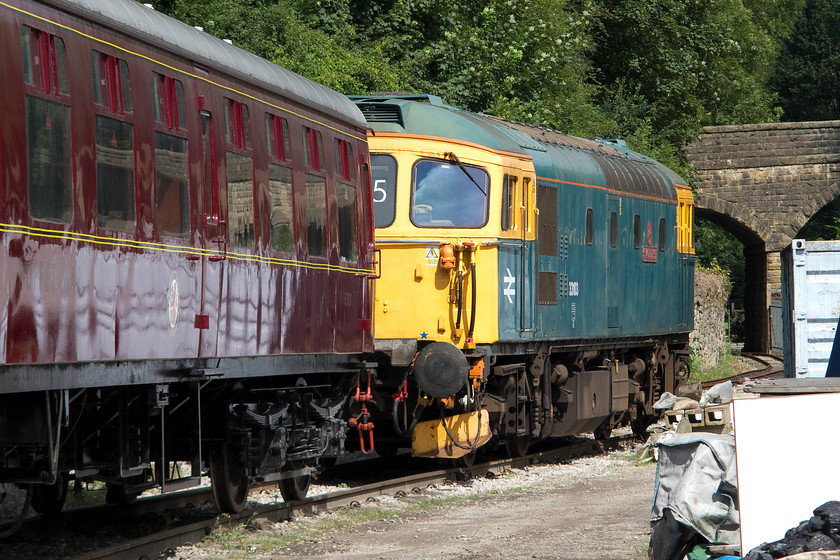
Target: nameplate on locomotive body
column 649, row 254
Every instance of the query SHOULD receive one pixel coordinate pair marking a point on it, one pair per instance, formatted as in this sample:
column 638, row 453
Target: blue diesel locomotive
column 534, row 284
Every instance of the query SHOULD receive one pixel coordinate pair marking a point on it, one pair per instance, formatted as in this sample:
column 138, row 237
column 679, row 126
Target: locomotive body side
column 549, row 263
column 179, row 219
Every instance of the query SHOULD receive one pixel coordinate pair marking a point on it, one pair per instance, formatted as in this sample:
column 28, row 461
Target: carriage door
column 614, row 273
column 211, row 227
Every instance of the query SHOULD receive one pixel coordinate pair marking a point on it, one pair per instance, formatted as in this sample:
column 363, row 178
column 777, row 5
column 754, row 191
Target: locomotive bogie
column 186, row 235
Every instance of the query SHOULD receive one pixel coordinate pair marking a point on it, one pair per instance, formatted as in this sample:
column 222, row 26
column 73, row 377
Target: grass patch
column 726, row 366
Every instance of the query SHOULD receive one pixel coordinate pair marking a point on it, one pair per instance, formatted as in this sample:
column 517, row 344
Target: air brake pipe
column 460, row 299
column 472, row 311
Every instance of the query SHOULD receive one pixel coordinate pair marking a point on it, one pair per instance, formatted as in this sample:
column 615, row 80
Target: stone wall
column 709, row 337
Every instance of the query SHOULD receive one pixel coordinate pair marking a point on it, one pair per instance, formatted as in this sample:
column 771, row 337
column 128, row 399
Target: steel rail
column 770, row 366
column 159, row 543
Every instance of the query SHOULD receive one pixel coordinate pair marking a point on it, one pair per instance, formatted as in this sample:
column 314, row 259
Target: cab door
column 615, row 278
column 527, row 198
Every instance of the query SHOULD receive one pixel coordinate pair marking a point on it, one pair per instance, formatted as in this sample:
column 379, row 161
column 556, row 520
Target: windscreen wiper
column 454, row 159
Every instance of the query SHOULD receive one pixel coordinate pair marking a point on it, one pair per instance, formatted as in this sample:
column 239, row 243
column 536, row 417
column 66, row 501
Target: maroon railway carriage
column 186, row 266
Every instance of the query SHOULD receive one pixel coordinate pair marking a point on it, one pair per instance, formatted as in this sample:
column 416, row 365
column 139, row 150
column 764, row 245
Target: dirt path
column 595, row 508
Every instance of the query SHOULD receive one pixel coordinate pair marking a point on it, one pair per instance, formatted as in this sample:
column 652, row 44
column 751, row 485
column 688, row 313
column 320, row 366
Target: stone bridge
column 762, row 183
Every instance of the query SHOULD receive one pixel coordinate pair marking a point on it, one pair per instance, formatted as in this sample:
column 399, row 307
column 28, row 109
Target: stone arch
column 746, row 228
column 763, row 182
column 813, row 205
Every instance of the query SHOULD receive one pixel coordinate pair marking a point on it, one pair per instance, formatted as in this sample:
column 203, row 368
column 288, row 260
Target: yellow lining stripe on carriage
column 184, row 72
column 178, row 249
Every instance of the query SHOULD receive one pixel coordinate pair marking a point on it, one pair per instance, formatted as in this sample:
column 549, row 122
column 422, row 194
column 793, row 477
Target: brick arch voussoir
column 748, row 226
column 815, row 204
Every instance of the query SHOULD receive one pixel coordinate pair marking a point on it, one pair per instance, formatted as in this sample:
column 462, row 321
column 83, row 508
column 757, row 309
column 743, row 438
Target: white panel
column 787, row 454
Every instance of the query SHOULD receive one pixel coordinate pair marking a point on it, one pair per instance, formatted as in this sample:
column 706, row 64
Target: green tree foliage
column 325, row 50
column 688, row 63
column 808, row 69
column 718, row 249
column 519, row 59
column 824, row 225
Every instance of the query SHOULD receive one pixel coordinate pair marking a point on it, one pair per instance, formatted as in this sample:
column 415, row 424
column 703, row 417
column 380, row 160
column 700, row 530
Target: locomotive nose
column 440, row 369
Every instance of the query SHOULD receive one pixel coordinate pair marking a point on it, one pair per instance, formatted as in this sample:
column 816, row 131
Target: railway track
column 769, row 367
column 158, row 542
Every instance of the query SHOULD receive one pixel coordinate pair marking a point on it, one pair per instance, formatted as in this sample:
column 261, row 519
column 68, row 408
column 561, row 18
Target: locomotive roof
column 134, row 18
column 557, row 156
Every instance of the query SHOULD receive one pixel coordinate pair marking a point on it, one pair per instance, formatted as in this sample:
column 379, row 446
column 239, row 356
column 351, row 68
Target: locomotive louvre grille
column 382, row 113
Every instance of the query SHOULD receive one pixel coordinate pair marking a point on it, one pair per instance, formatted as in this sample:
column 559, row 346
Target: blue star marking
column 424, row 335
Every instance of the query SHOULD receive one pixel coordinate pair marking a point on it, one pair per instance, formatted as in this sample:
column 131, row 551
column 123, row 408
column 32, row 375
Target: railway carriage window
column 663, row 231
column 115, row 173
column 44, row 60
column 613, row 229
column 282, row 209
column 277, row 137
column 590, row 227
column 172, row 192
column 509, row 203
column 344, row 160
column 445, row 194
column 383, row 173
column 49, row 160
column 111, row 87
column 168, row 96
column 237, row 127
column 313, row 149
column 240, row 175
column 637, row 231
column 347, row 221
column 240, row 191
column 316, row 214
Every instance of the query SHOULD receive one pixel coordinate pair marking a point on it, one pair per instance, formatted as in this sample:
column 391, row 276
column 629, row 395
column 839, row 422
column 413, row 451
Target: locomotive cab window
column 49, row 163
column 172, row 193
column 383, row 173
column 449, row 195
column 240, row 175
column 509, row 203
column 613, row 229
column 316, row 193
column 115, row 199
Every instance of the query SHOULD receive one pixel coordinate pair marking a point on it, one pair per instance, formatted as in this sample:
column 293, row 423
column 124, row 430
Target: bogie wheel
column 603, row 432
column 49, row 498
column 228, row 478
column 117, row 494
column 467, row 460
column 517, row 446
column 295, row 488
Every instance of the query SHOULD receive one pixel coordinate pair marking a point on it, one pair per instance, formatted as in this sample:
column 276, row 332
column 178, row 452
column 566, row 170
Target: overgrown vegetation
column 726, row 366
column 651, row 71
